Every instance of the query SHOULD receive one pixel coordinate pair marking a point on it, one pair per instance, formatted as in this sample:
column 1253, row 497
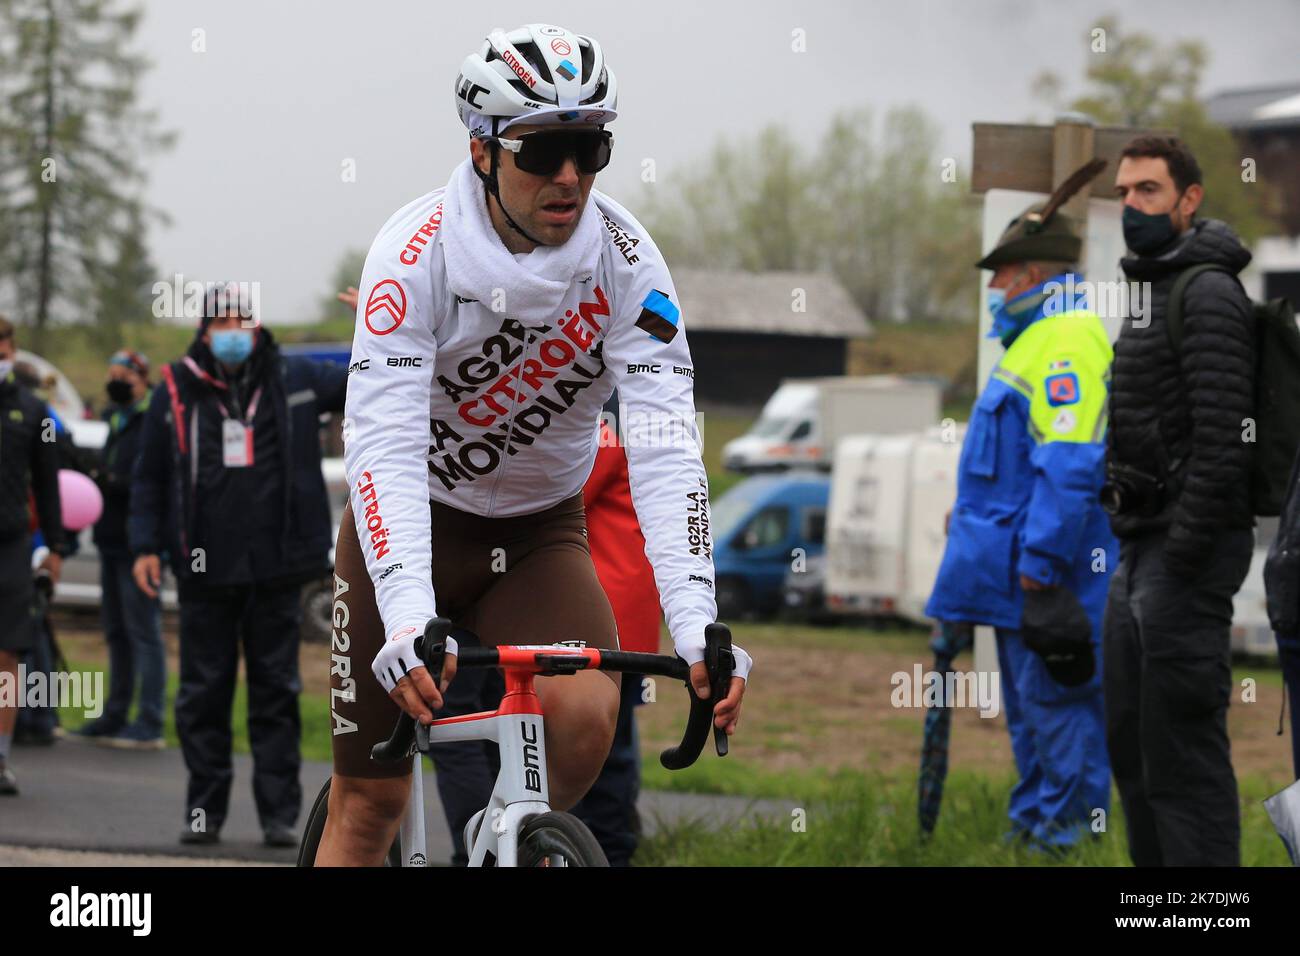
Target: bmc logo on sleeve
column 1062, row 389
column 386, row 307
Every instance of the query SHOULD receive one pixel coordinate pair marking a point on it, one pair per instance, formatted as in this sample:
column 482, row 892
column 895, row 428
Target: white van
column 784, row 434
column 805, row 418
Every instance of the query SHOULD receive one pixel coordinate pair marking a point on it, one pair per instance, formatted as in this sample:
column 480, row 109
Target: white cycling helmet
column 536, row 74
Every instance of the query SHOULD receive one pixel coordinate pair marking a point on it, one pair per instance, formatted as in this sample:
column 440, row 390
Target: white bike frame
column 521, row 790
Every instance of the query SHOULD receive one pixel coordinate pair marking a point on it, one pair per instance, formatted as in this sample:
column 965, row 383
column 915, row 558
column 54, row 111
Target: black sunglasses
column 542, row 154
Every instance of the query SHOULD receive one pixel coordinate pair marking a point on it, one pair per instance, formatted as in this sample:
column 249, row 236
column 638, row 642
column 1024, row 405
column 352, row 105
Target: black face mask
column 119, row 391
column 1145, row 233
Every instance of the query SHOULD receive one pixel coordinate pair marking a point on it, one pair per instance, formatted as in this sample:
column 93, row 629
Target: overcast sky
column 286, row 92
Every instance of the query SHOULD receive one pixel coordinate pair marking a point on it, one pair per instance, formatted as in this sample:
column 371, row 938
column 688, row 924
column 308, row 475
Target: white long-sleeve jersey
column 453, row 401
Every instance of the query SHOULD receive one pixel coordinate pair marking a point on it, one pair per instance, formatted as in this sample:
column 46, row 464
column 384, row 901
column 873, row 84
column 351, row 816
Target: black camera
column 1130, row 490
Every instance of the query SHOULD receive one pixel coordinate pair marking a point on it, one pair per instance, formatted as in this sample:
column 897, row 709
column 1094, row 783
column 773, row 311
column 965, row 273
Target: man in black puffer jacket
column 1178, row 462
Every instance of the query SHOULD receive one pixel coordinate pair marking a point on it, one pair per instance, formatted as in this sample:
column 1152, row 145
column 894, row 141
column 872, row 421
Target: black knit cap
column 221, row 298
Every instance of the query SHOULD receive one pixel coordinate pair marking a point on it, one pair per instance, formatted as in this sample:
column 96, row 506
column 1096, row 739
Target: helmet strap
column 492, row 186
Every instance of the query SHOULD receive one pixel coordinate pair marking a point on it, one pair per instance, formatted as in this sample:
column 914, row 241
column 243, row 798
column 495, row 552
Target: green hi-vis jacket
column 1031, row 469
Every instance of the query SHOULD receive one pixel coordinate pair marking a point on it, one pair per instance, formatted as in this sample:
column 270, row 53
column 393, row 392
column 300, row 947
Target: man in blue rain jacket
column 1027, row 517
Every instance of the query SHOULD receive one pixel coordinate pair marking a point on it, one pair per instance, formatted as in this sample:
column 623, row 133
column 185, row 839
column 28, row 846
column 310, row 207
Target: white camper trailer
column 884, row 533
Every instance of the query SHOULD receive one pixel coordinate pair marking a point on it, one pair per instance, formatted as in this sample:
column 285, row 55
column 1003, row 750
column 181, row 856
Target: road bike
column 522, row 828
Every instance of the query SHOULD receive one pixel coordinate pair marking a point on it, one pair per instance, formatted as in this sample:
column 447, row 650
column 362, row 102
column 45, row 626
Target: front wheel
column 558, row 839
column 311, row 833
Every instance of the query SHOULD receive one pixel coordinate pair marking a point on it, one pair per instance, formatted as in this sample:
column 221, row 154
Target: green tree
column 1135, row 80
column 870, row 206
column 71, row 135
column 122, row 288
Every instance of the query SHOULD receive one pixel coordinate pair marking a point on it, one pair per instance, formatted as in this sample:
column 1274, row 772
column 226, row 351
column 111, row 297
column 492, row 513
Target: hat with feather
column 1041, row 233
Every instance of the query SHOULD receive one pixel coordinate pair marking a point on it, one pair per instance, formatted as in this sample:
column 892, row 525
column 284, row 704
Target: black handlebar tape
column 398, row 746
column 409, row 736
column 717, row 661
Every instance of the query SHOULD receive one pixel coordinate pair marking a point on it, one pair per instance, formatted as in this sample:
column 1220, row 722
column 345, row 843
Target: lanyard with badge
column 236, row 435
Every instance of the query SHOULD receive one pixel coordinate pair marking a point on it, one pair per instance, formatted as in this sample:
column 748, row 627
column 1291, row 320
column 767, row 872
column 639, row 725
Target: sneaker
column 8, row 782
column 134, row 737
column 277, row 834
column 100, row 727
column 200, row 837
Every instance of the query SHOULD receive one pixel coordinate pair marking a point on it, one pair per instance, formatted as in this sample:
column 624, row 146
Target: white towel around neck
column 478, row 263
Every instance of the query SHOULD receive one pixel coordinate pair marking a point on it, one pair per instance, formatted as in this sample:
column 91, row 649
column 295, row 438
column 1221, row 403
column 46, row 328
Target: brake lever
column 720, row 661
column 432, row 649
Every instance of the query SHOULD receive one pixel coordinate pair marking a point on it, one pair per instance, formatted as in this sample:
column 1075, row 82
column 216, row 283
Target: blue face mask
column 232, row 346
column 997, row 299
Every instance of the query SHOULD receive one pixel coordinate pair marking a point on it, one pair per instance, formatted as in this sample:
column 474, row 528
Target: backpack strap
column 1174, row 311
column 178, row 410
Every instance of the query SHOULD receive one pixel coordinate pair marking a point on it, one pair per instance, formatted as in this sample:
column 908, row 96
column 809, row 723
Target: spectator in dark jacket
column 28, row 463
column 1282, row 586
column 1179, row 459
column 229, row 486
column 131, row 618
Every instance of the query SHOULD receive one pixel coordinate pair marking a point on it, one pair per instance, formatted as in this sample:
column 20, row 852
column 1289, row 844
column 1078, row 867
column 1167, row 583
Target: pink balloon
column 82, row 502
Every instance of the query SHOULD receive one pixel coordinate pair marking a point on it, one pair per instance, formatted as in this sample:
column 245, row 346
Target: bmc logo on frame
column 532, row 763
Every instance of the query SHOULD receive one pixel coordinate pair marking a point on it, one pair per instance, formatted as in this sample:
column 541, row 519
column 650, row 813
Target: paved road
column 80, row 797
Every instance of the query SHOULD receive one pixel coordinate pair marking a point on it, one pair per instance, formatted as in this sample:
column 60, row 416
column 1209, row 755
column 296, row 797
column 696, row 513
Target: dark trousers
column 1168, row 679
column 38, row 721
column 133, row 630
column 466, row 771
column 1289, row 656
column 213, row 626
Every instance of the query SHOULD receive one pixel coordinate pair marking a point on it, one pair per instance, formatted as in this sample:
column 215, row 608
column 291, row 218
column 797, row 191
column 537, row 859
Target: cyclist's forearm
column 385, row 447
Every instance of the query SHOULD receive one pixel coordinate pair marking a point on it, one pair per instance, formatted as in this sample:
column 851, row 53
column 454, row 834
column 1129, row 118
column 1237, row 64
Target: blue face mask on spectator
column 232, row 346
column 997, row 299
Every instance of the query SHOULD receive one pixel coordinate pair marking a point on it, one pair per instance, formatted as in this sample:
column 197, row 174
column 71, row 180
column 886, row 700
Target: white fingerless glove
column 397, row 657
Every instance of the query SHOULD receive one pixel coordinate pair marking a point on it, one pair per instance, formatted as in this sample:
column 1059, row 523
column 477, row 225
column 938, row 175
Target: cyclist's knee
column 364, row 803
column 589, row 720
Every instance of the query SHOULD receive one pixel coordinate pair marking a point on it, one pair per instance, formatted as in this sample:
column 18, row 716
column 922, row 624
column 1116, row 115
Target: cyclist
column 495, row 317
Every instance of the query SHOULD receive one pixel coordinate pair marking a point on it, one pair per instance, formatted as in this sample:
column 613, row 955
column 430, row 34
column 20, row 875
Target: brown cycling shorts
column 521, row 580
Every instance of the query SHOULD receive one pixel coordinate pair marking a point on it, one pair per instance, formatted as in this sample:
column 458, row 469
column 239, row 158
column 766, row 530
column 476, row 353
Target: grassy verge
column 872, row 821
column 849, row 818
